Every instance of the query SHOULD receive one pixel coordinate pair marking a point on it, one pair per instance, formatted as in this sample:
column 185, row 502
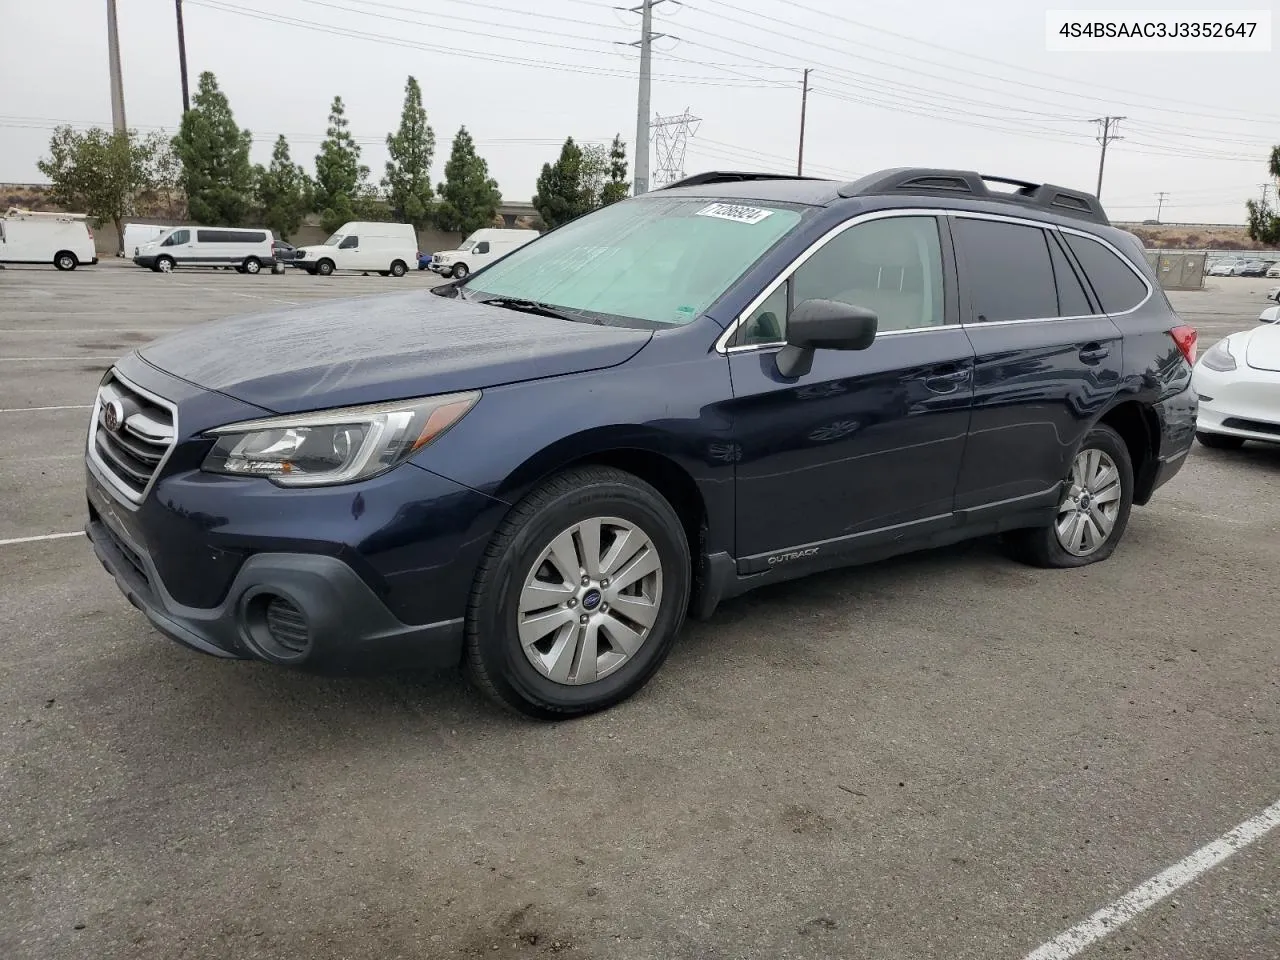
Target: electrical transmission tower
column 671, row 140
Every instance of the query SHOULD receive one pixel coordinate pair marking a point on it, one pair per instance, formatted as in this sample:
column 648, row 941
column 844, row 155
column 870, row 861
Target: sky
column 930, row 83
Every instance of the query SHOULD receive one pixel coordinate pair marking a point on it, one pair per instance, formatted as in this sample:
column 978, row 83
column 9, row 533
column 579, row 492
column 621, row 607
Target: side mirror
column 824, row 325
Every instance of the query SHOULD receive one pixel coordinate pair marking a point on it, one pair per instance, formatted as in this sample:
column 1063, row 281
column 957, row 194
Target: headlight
column 334, row 446
column 1219, row 357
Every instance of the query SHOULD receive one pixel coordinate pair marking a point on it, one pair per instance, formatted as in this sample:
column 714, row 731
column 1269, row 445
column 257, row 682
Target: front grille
column 132, row 439
column 1255, row 426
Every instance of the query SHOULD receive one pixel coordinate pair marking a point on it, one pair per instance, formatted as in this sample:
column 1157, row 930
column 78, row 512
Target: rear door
column 1047, row 362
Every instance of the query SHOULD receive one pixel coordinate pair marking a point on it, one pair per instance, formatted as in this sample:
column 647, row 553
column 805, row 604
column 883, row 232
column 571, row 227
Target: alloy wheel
column 1088, row 511
column 590, row 600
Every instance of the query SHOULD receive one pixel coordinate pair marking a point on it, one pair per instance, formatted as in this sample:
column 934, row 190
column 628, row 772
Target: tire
column 460, row 271
column 252, row 265
column 66, row 260
column 447, row 273
column 1068, row 542
column 324, row 268
column 1219, row 441
column 609, row 501
column 165, row 264
column 398, row 268
column 382, row 273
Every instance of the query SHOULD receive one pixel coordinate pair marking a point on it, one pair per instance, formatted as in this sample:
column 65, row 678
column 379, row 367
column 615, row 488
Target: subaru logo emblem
column 112, row 415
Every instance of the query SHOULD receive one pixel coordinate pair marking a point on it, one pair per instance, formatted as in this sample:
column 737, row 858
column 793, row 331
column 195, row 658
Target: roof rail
column 922, row 181
column 730, row 176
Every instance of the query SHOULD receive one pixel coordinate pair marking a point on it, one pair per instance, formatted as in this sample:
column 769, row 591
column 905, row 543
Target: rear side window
column 1072, row 301
column 230, row 236
column 1115, row 283
column 1007, row 270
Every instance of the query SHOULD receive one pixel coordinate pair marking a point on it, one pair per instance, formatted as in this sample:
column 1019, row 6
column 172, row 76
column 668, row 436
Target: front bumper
column 346, row 626
column 145, row 261
column 1240, row 403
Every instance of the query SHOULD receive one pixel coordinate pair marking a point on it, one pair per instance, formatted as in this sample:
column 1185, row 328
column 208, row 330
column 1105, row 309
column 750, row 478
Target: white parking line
column 94, row 330
column 38, row 359
column 46, row 536
column 254, row 296
column 72, row 406
column 1146, row 895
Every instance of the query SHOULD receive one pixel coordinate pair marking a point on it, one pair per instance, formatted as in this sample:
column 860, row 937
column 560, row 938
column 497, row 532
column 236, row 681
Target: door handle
column 948, row 381
column 1094, row 352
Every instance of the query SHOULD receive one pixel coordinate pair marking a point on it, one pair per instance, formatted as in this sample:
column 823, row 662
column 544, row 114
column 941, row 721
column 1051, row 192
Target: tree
column 617, row 187
column 97, row 172
column 1264, row 221
column 340, row 177
column 469, row 197
column 594, row 171
column 560, row 197
column 412, row 147
column 216, row 174
column 283, row 191
column 164, row 197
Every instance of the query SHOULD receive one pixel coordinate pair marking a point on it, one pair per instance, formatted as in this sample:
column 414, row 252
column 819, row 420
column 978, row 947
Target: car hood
column 1263, row 349
column 387, row 347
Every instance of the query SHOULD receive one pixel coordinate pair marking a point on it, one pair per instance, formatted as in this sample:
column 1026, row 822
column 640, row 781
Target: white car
column 1227, row 268
column 383, row 248
column 1274, row 270
column 1238, row 381
column 1273, row 294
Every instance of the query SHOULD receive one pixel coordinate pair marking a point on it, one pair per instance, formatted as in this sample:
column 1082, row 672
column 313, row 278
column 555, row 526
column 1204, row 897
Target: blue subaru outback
column 538, row 472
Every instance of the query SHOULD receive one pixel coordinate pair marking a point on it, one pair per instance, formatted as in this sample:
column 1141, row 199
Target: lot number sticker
column 734, row 211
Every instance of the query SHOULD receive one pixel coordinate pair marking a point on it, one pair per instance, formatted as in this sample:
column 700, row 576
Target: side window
column 348, row 243
column 207, row 236
column 1072, row 301
column 1008, row 272
column 177, row 238
column 1115, row 283
column 482, row 247
column 892, row 266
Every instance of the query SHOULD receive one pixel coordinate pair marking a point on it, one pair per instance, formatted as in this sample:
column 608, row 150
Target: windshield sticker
column 734, row 211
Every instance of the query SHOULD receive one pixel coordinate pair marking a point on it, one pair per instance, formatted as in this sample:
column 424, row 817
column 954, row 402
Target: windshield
column 334, row 240
column 465, row 244
column 662, row 259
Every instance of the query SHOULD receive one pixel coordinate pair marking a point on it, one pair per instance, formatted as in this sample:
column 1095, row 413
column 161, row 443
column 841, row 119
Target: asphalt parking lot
column 944, row 756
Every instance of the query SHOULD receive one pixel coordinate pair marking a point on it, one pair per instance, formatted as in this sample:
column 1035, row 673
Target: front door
column 866, row 447
column 1047, row 362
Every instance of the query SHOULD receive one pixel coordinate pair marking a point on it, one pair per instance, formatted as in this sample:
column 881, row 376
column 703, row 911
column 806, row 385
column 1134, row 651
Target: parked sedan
column 1274, row 270
column 424, row 260
column 1274, row 294
column 1253, row 268
column 1238, row 380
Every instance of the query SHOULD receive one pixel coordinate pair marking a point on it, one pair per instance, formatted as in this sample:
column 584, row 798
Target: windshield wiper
column 535, row 307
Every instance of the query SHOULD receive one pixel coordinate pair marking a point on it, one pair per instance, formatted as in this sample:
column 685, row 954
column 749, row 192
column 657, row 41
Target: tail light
column 1185, row 337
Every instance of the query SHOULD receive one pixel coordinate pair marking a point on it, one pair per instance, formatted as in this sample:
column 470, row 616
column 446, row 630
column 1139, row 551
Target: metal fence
column 1177, row 269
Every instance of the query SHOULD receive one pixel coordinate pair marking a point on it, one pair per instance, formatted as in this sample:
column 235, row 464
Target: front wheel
column 460, row 271
column 398, row 269
column 165, row 264
column 1093, row 510
column 324, row 268
column 66, row 260
column 1219, row 441
column 580, row 595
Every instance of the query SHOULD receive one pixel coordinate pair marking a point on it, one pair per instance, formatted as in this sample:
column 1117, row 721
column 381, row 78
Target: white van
column 385, row 248
column 246, row 250
column 479, row 250
column 62, row 239
column 136, row 235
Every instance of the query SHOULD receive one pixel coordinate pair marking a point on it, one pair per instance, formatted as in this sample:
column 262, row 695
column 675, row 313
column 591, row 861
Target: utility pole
column 1160, row 203
column 182, row 58
column 804, row 104
column 117, row 82
column 1265, row 187
column 645, row 43
column 1108, row 127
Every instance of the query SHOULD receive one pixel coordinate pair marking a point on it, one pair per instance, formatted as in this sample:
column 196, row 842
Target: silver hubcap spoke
column 1088, row 511
column 590, row 601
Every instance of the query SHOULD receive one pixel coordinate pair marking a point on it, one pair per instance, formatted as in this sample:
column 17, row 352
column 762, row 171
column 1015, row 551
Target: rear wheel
column 460, row 271
column 1219, row 441
column 324, row 268
column 252, row 265
column 165, row 264
column 580, row 595
column 66, row 260
column 398, row 268
column 1093, row 510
